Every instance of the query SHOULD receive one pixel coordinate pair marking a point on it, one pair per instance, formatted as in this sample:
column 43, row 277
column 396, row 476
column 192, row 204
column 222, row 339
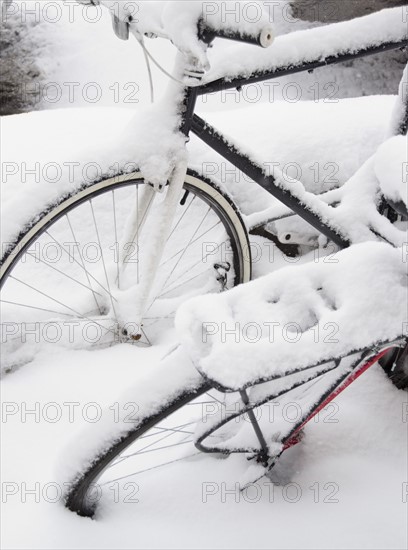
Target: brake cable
column 149, row 57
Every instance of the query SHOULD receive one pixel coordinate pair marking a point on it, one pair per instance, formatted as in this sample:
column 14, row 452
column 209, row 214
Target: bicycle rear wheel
column 60, row 281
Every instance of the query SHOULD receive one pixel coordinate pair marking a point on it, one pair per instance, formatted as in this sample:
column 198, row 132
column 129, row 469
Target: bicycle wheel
column 158, row 439
column 110, row 459
column 61, row 280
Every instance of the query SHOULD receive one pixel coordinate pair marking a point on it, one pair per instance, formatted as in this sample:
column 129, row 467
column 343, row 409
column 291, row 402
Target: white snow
column 344, row 486
column 309, row 45
column 367, row 443
column 100, row 141
column 298, row 317
column 391, row 162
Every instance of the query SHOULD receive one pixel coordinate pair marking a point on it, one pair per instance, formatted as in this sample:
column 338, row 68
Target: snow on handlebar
column 179, row 19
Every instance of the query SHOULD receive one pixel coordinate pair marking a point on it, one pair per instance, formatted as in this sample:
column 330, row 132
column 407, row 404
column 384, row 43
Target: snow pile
column 158, row 144
column 391, row 168
column 156, row 388
column 298, row 316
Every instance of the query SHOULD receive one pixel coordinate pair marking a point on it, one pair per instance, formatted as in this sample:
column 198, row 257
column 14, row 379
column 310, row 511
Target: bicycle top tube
column 312, row 48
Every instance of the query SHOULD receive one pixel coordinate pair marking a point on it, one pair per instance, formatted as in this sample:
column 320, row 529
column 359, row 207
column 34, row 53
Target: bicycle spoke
column 181, row 218
column 82, row 262
column 186, row 247
column 187, row 271
column 62, row 273
column 190, row 268
column 181, row 250
column 174, row 429
column 60, row 303
column 157, row 441
column 192, row 242
column 182, row 283
column 45, row 323
column 183, row 442
column 152, row 468
column 137, row 235
column 152, row 444
column 37, row 308
column 215, row 399
column 76, row 261
column 201, row 260
column 116, row 237
column 144, row 334
column 139, row 225
column 103, row 260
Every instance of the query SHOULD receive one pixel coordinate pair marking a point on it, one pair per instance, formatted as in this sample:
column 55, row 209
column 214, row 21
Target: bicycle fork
column 140, row 296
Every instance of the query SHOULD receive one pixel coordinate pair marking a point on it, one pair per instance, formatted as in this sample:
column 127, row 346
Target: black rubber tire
column 395, row 365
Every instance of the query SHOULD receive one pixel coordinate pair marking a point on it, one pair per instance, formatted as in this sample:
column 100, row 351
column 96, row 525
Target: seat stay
column 376, row 349
column 346, row 370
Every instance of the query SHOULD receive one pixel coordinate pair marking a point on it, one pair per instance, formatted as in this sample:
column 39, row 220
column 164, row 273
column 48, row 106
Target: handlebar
column 264, row 38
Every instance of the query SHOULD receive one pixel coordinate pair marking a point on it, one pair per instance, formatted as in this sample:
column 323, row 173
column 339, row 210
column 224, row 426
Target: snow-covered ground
column 344, row 486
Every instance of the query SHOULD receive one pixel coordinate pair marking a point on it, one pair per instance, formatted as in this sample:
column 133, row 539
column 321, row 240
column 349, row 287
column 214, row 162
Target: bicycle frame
column 191, row 122
column 217, row 142
column 360, row 362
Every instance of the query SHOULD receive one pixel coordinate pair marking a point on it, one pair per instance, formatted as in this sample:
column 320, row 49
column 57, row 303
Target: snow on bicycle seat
column 298, row 316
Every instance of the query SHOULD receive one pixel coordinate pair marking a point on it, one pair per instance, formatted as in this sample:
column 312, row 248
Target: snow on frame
column 298, row 315
column 37, row 169
column 160, row 385
column 309, row 45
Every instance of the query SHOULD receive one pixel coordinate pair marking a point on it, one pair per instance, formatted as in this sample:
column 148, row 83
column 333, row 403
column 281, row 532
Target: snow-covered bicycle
column 112, row 261
column 148, row 229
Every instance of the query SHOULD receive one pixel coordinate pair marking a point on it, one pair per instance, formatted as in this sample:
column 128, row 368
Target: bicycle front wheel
column 60, row 282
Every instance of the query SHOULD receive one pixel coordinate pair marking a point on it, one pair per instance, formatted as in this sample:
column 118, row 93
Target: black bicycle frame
column 215, row 140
